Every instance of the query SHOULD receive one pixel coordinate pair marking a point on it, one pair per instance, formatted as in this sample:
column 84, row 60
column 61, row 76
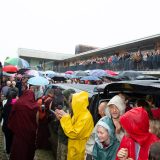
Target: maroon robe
column 43, row 133
column 22, row 122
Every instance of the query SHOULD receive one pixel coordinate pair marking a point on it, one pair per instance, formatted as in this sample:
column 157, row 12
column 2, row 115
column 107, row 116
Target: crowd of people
column 140, row 60
column 60, row 121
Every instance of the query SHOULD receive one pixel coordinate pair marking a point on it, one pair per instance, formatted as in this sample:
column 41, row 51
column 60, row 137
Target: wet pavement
column 40, row 154
column 44, row 155
column 2, row 151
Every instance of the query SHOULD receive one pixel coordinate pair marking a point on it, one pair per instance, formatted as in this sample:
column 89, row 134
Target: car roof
column 135, row 86
column 76, row 87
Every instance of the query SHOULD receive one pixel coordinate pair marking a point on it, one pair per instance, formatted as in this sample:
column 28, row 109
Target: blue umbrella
column 98, row 73
column 50, row 74
column 75, row 77
column 38, row 81
column 90, row 78
column 80, row 73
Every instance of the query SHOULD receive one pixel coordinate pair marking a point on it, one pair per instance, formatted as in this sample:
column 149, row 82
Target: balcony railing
column 119, row 66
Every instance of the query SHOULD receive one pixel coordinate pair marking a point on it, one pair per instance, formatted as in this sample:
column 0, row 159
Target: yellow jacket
column 79, row 127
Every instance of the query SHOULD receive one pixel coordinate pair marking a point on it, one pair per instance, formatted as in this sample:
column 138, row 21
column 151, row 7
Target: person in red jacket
column 137, row 140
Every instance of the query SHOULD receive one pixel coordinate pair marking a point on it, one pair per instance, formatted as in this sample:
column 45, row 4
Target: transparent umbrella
column 38, row 81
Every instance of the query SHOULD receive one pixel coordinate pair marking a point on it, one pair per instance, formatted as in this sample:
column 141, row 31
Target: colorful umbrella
column 69, row 72
column 38, row 81
column 7, row 74
column 98, row 73
column 10, row 69
column 32, row 73
column 111, row 73
column 18, row 62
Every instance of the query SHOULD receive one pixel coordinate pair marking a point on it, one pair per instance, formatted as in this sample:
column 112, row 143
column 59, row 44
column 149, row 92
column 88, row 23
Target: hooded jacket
column 78, row 127
column 119, row 102
column 136, row 124
column 109, row 152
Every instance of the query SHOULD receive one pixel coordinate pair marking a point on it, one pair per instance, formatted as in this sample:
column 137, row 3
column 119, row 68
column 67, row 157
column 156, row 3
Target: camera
column 43, row 107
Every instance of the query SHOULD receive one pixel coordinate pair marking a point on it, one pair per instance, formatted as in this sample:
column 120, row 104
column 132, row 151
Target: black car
column 136, row 89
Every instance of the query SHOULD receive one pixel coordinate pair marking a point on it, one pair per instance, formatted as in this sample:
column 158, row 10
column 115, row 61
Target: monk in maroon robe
column 23, row 123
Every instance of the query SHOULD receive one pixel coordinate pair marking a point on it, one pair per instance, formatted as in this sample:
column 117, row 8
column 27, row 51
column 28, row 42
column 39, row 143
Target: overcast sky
column 59, row 25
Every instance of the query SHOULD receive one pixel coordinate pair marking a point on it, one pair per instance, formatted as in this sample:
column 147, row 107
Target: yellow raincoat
column 79, row 127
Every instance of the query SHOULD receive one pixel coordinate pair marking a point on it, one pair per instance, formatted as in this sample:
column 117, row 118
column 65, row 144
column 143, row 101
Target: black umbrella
column 125, row 76
column 58, row 77
column 22, row 70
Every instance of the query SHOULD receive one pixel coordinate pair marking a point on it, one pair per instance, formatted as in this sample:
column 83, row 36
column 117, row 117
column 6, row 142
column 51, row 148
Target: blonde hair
column 154, row 127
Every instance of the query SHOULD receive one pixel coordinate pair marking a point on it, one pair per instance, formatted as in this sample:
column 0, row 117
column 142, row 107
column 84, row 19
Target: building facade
column 97, row 58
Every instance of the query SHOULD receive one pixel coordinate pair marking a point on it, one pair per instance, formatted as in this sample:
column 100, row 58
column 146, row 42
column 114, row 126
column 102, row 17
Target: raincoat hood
column 80, row 102
column 78, row 127
column 136, row 123
column 119, row 102
column 108, row 152
column 107, row 123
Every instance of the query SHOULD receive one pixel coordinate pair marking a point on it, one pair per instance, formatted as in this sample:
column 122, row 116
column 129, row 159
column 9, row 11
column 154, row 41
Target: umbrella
column 38, row 81
column 10, row 69
column 88, row 71
column 32, row 73
column 81, row 73
column 90, row 78
column 22, row 70
column 72, row 76
column 59, row 77
column 41, row 73
column 111, row 73
column 49, row 73
column 69, row 72
column 98, row 73
column 128, row 75
column 7, row 74
column 18, row 62
column 125, row 76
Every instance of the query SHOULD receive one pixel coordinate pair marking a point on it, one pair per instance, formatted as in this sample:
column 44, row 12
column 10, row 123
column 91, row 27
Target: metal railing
column 127, row 64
